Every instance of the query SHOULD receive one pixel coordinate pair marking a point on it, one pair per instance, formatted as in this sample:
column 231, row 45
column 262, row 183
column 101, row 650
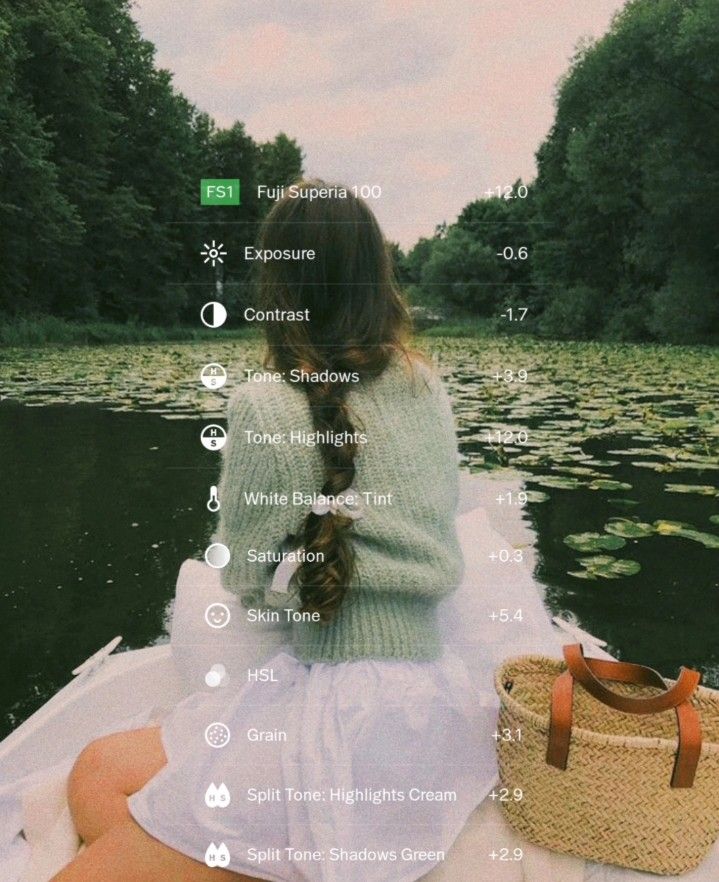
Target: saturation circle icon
column 217, row 555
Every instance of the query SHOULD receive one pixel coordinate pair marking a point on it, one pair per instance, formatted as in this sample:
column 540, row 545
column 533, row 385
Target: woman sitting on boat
column 354, row 756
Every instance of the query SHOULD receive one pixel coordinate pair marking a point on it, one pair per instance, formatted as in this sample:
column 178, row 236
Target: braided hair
column 357, row 323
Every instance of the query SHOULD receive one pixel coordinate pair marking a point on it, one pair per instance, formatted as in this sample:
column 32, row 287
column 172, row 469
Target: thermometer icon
column 213, row 503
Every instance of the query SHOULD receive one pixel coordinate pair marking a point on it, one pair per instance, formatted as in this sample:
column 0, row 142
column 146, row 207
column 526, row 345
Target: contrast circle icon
column 213, row 314
column 213, row 376
column 217, row 735
column 217, row 555
column 213, row 437
column 217, row 615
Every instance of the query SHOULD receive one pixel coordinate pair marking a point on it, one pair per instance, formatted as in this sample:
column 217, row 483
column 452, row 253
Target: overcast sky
column 435, row 100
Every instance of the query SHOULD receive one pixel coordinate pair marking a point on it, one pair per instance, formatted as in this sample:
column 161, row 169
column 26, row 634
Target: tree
column 627, row 191
column 621, row 222
column 100, row 166
column 279, row 163
column 461, row 273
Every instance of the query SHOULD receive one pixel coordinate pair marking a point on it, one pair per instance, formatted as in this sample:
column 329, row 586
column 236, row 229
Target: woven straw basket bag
column 603, row 772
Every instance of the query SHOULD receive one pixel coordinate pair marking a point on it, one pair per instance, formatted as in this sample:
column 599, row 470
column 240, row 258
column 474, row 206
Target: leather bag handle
column 588, row 671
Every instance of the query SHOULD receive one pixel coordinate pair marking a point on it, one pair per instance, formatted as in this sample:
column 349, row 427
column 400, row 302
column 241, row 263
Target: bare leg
column 127, row 854
column 106, row 773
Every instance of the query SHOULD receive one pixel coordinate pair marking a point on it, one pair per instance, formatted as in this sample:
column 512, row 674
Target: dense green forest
column 621, row 225
column 100, row 168
column 616, row 238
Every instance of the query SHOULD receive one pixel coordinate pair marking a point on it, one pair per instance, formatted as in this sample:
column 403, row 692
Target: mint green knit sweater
column 407, row 553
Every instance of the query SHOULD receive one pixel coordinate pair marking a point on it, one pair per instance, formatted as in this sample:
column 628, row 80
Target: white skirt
column 375, row 765
column 363, row 770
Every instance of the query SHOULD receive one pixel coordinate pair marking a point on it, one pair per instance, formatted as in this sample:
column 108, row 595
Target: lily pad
column 604, row 566
column 608, row 484
column 629, row 529
column 686, row 531
column 623, row 503
column 671, row 528
column 537, row 496
column 557, row 482
column 708, row 540
column 597, row 560
column 594, row 542
column 701, row 489
column 714, row 519
column 656, row 466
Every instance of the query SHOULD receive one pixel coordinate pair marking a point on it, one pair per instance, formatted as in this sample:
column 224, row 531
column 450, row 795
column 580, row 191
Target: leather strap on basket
column 588, row 672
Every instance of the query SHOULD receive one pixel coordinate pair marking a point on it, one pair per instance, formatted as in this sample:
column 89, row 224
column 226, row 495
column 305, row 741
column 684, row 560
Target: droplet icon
column 217, row 855
column 217, row 797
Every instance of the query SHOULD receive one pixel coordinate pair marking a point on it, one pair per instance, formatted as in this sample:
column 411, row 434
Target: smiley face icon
column 217, row 615
column 217, row 735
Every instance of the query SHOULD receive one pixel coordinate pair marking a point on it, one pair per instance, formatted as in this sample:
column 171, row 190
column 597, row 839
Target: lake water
column 104, row 485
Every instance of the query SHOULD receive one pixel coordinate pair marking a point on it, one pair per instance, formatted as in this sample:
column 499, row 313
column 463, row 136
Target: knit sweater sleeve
column 249, row 468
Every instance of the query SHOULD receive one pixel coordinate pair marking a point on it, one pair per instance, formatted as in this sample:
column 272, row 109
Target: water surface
column 104, row 484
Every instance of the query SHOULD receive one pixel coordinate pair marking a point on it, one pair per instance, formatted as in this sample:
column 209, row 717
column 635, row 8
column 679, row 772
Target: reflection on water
column 103, row 495
column 99, row 511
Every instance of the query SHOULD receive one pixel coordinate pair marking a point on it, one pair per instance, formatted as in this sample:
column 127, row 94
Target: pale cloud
column 434, row 101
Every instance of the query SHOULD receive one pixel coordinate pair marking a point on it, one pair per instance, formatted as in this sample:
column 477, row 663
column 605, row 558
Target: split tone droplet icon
column 217, row 797
column 217, row 855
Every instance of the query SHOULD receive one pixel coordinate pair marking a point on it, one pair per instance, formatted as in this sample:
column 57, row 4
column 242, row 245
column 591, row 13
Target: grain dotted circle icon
column 217, row 735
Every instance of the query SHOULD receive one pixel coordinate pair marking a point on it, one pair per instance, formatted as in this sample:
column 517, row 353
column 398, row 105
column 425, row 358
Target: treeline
column 621, row 225
column 100, row 167
column 617, row 238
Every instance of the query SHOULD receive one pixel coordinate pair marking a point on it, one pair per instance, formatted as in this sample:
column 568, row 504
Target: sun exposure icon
column 214, row 252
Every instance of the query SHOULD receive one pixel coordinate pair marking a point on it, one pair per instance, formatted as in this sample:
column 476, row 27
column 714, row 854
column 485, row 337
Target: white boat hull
column 92, row 703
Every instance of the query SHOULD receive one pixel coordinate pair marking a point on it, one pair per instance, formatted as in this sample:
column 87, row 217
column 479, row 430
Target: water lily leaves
column 527, row 459
column 686, row 531
column 655, row 466
column 701, row 489
column 608, row 484
column 537, row 496
column 701, row 466
column 714, row 519
column 670, row 528
column 604, row 566
column 629, row 529
column 708, row 540
column 623, row 503
column 558, row 482
column 579, row 470
column 633, row 451
column 593, row 542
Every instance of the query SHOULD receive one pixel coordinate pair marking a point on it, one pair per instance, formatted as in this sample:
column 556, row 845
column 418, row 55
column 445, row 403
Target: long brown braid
column 358, row 323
